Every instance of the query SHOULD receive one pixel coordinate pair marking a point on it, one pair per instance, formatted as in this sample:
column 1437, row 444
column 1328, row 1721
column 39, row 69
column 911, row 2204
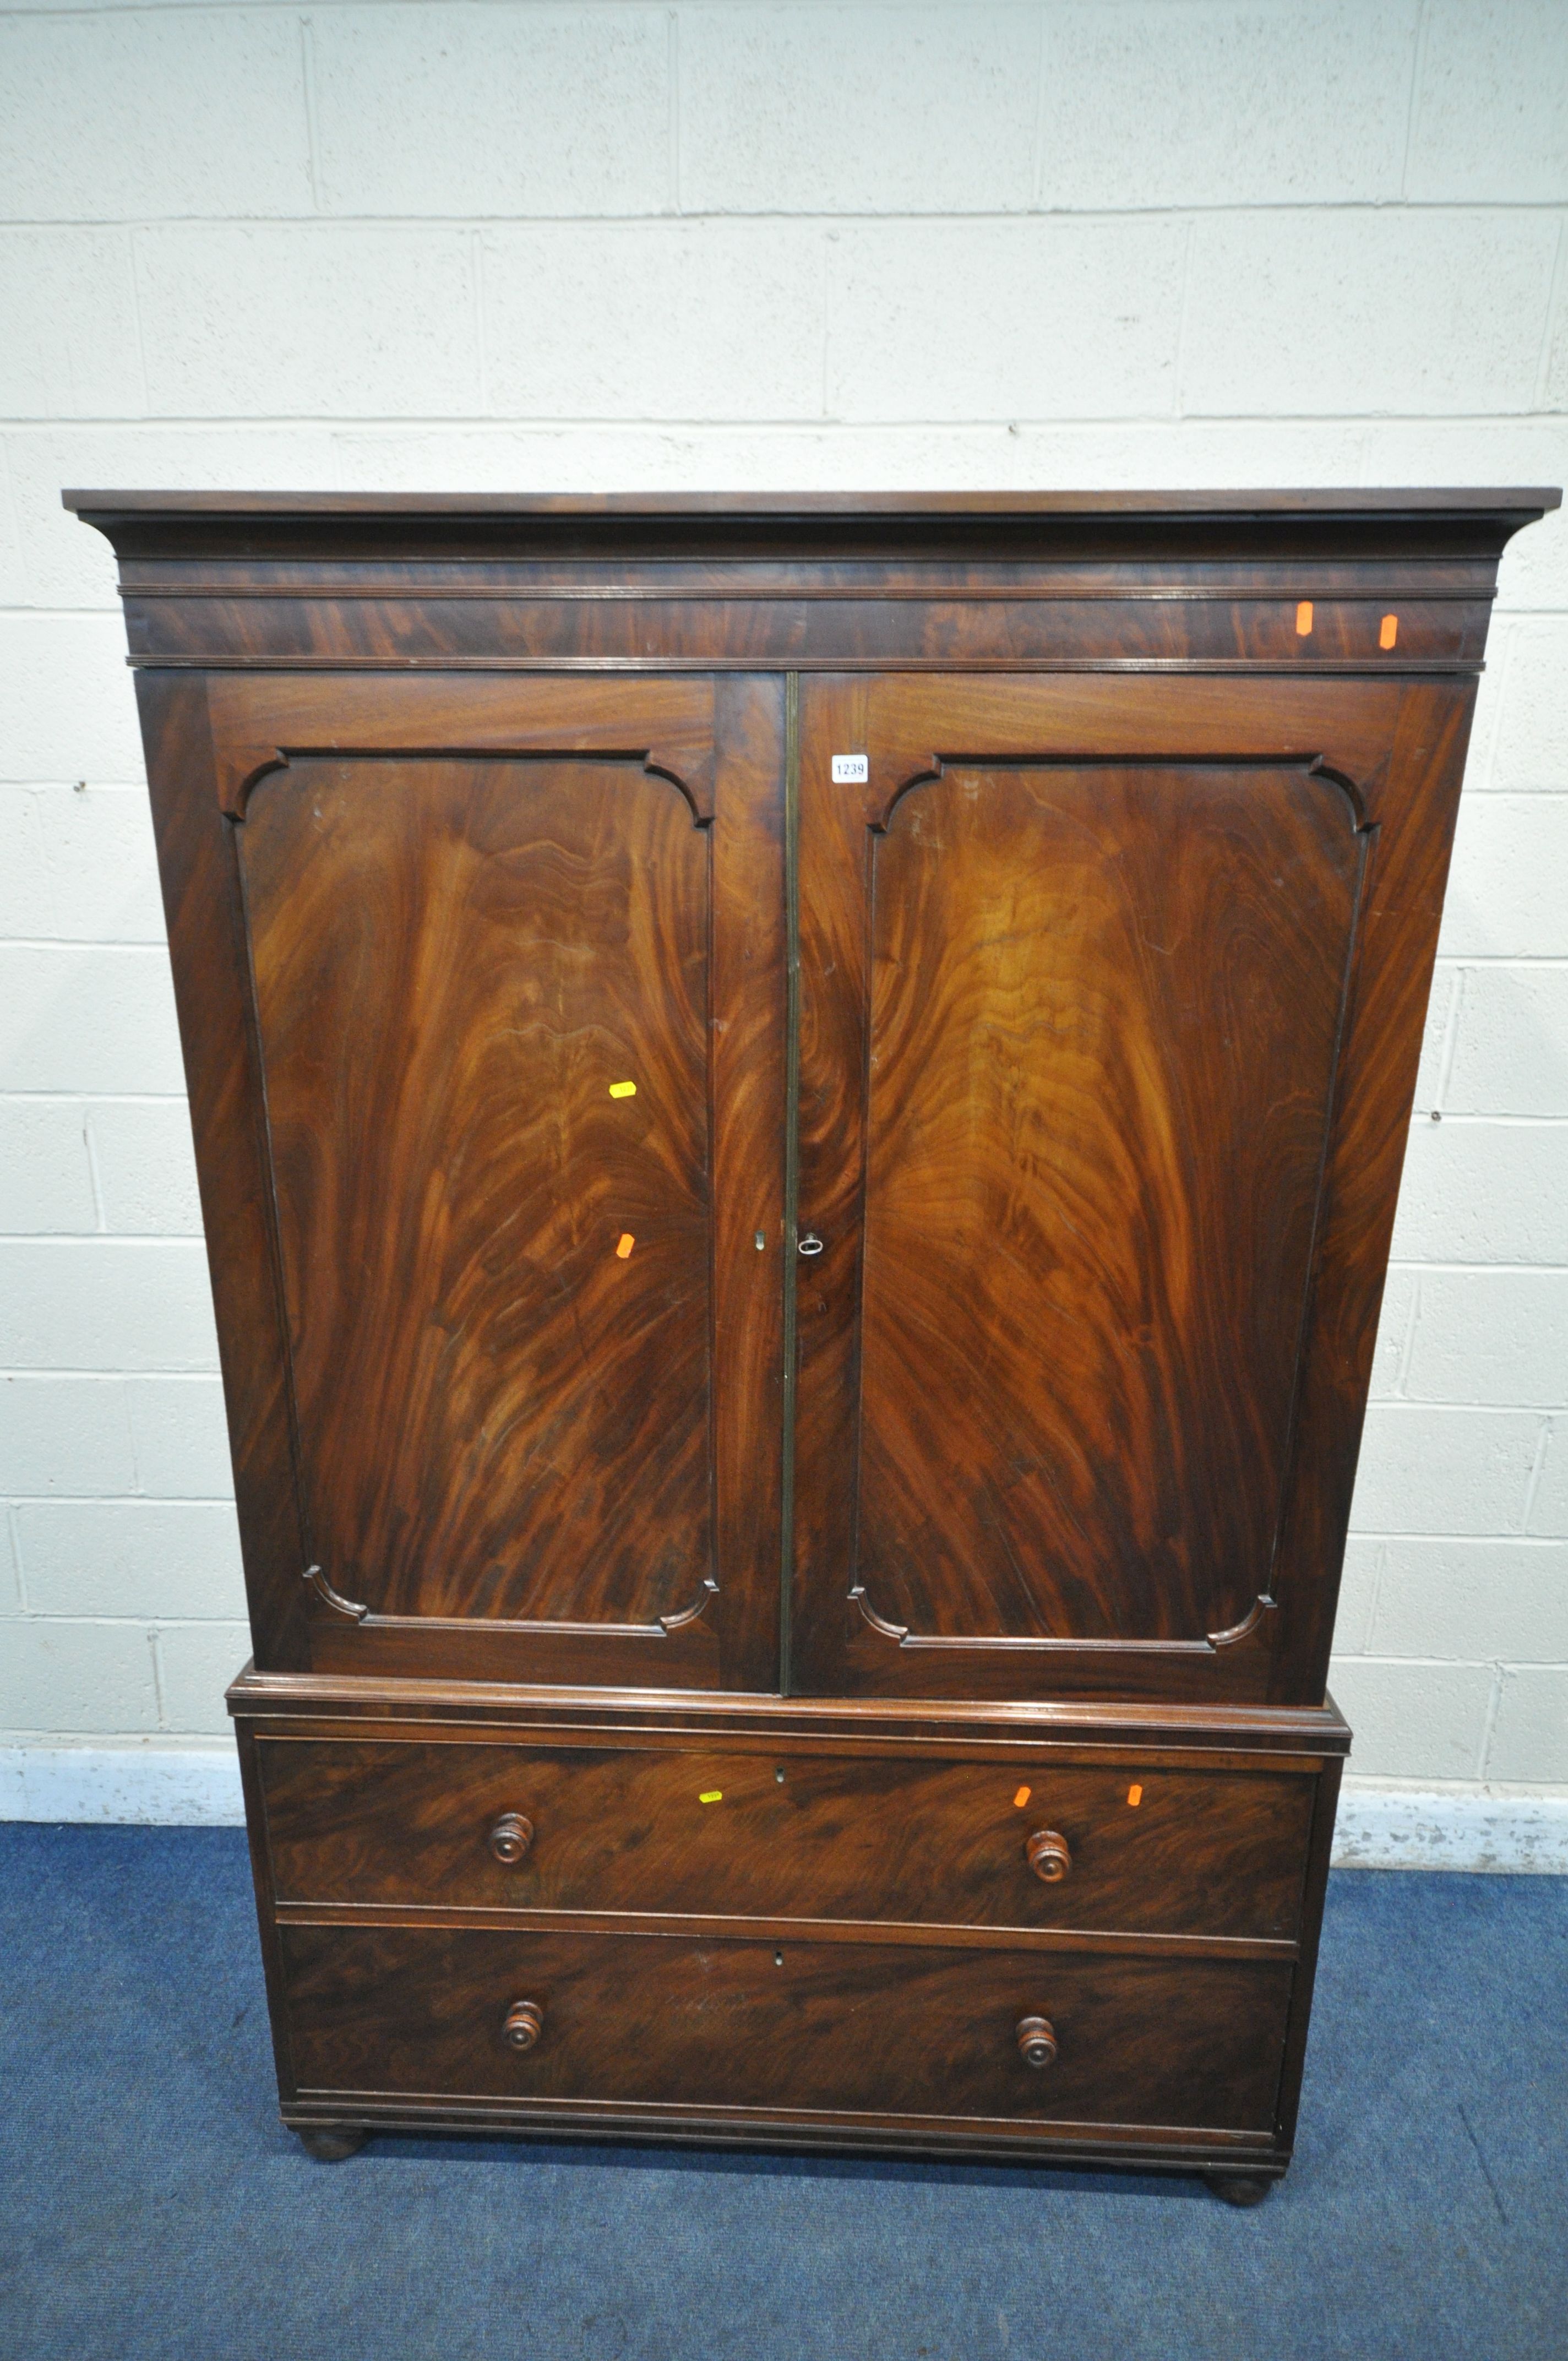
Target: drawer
column 733, row 1834
column 843, row 2028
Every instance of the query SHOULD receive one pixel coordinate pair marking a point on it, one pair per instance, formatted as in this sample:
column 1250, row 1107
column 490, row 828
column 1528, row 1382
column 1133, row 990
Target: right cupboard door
column 1111, row 994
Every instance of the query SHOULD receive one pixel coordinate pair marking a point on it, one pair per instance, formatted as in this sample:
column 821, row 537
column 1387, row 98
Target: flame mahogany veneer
column 796, row 1329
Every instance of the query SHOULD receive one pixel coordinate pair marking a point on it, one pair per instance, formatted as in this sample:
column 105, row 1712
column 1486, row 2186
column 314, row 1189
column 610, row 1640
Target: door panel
column 494, row 967
column 1103, row 1009
column 496, row 1274
column 1110, row 997
column 1073, row 999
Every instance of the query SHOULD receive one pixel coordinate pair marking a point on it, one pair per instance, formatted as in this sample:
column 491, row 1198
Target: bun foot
column 330, row 2146
column 1241, row 2188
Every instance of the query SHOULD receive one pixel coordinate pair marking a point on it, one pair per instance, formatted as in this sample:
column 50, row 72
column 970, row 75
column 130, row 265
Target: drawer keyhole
column 1047, row 1855
column 1036, row 2041
column 510, row 1838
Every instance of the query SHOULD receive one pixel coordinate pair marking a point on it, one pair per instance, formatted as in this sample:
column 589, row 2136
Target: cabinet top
column 769, row 520
column 1518, row 503
column 1396, row 579
column 1071, row 528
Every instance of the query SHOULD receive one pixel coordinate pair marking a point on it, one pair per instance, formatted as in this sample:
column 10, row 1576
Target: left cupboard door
column 481, row 987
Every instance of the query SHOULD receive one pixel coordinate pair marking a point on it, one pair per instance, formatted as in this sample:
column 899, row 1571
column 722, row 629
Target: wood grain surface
column 1076, row 970
column 1104, row 1006
column 1068, row 1730
column 529, row 1387
column 210, row 970
column 1200, row 1853
column 898, row 2032
column 557, row 1470
column 546, row 628
column 501, row 1414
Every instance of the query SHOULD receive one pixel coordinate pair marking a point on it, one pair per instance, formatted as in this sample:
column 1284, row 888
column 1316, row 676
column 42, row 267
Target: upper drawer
column 752, row 1835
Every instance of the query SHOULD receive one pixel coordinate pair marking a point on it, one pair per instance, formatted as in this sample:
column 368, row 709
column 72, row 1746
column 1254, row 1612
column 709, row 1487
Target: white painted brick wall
column 494, row 245
column 563, row 111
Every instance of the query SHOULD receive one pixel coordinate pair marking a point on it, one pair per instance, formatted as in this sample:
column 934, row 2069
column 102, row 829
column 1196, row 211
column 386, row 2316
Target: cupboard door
column 1110, row 993
column 510, row 969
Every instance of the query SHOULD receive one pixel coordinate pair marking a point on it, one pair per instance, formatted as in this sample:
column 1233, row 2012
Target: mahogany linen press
column 799, row 1103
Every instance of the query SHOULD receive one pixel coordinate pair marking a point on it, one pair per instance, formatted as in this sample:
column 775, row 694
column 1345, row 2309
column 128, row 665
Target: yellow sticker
column 1022, row 1797
column 623, row 1090
column 1135, row 1795
column 714, row 1795
column 624, row 1243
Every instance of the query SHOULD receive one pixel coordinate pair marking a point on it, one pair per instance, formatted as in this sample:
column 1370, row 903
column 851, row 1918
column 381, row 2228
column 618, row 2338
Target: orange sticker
column 1388, row 630
column 1021, row 1799
column 624, row 1243
column 1304, row 619
column 1135, row 1795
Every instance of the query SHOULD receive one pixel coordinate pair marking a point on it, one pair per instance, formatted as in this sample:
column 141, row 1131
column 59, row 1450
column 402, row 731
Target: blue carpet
column 152, row 2206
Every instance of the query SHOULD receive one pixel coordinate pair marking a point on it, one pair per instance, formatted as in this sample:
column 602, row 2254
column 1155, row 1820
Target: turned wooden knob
column 525, row 2023
column 1047, row 1856
column 510, row 1836
column 1036, row 2042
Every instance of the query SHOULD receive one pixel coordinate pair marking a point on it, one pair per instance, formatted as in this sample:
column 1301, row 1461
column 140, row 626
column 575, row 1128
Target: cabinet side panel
column 259, row 1838
column 1314, row 1894
column 1412, row 804
column 206, row 938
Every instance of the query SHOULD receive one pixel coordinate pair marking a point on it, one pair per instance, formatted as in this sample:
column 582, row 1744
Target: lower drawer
column 843, row 2028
